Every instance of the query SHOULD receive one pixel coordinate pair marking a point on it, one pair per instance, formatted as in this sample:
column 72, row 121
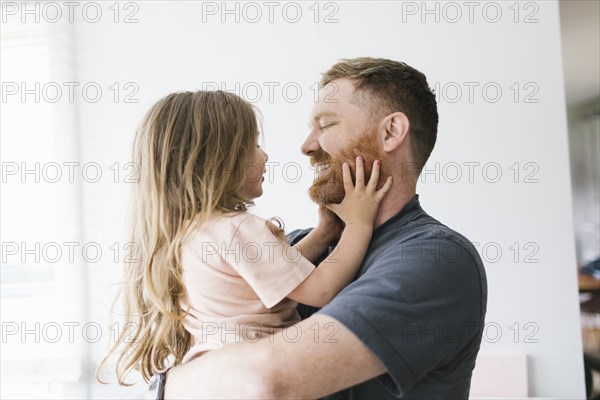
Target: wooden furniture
column 590, row 315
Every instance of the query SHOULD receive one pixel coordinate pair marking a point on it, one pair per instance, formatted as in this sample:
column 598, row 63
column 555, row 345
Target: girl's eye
column 325, row 127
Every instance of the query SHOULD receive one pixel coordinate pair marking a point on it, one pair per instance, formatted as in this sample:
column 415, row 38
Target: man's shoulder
column 423, row 231
column 425, row 250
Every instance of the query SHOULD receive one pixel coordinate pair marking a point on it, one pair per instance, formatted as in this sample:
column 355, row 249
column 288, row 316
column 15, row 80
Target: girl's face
column 254, row 174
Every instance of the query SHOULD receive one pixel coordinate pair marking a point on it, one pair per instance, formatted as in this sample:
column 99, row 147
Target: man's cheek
column 367, row 168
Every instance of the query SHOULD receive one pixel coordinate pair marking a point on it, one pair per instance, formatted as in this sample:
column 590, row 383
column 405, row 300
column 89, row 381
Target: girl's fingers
column 360, row 172
column 385, row 188
column 348, row 186
column 374, row 178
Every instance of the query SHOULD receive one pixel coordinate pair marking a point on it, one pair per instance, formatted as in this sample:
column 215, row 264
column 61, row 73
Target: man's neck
column 392, row 204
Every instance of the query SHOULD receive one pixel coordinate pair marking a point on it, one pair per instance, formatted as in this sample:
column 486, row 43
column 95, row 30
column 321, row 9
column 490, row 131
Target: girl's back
column 237, row 276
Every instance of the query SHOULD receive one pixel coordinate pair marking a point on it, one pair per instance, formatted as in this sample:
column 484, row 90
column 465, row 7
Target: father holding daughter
column 410, row 324
column 407, row 325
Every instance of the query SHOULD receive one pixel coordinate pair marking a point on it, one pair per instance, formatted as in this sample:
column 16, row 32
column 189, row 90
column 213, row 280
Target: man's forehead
column 338, row 90
column 333, row 99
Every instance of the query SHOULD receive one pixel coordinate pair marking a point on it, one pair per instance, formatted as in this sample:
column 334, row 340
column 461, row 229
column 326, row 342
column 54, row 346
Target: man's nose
column 311, row 144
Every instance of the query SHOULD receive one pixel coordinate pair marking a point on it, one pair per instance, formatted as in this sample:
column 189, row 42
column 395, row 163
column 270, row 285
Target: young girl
column 206, row 271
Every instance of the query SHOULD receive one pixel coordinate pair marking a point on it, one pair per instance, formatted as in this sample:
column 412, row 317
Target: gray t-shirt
column 418, row 303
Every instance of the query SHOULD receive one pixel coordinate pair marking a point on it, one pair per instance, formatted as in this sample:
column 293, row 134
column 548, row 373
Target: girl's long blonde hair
column 192, row 150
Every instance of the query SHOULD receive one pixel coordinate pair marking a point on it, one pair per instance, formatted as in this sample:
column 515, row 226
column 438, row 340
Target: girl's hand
column 361, row 202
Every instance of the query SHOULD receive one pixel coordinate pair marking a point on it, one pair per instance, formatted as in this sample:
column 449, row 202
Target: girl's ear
column 394, row 131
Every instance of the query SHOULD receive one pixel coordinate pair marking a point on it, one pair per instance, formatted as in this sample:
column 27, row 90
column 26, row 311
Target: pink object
column 237, row 275
column 500, row 375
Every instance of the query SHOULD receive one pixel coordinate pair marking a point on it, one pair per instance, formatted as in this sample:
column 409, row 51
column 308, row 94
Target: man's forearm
column 324, row 357
column 226, row 373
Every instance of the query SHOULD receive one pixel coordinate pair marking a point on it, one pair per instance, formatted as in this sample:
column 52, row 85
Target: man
column 411, row 323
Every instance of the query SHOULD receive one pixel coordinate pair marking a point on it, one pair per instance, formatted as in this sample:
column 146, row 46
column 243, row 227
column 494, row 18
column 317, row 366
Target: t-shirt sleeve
column 414, row 308
column 271, row 268
column 295, row 236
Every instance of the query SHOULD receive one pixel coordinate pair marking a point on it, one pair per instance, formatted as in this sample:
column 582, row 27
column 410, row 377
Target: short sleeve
column 414, row 310
column 271, row 268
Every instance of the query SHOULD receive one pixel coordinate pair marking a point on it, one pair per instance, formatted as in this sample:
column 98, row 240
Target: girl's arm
column 313, row 245
column 358, row 211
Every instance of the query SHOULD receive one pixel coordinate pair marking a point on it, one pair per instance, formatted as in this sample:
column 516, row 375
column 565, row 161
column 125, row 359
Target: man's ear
column 395, row 131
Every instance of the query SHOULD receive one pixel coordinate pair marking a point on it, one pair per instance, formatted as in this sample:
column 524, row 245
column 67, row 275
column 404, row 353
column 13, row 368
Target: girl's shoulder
column 224, row 225
column 232, row 218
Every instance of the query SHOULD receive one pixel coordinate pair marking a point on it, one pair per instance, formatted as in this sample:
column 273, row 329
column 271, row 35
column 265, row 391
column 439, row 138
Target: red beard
column 329, row 188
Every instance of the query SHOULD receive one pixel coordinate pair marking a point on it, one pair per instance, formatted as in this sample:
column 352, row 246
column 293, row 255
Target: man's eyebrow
column 324, row 114
column 321, row 115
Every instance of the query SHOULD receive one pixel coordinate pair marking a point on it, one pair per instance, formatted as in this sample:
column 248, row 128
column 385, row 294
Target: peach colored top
column 237, row 276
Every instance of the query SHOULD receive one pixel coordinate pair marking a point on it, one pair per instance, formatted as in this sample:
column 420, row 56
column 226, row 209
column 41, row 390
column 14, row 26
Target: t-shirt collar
column 405, row 215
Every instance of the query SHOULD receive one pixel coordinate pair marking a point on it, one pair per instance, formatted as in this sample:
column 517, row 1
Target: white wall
column 171, row 48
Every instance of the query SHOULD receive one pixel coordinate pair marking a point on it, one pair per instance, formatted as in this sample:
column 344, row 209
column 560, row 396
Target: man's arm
column 311, row 359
